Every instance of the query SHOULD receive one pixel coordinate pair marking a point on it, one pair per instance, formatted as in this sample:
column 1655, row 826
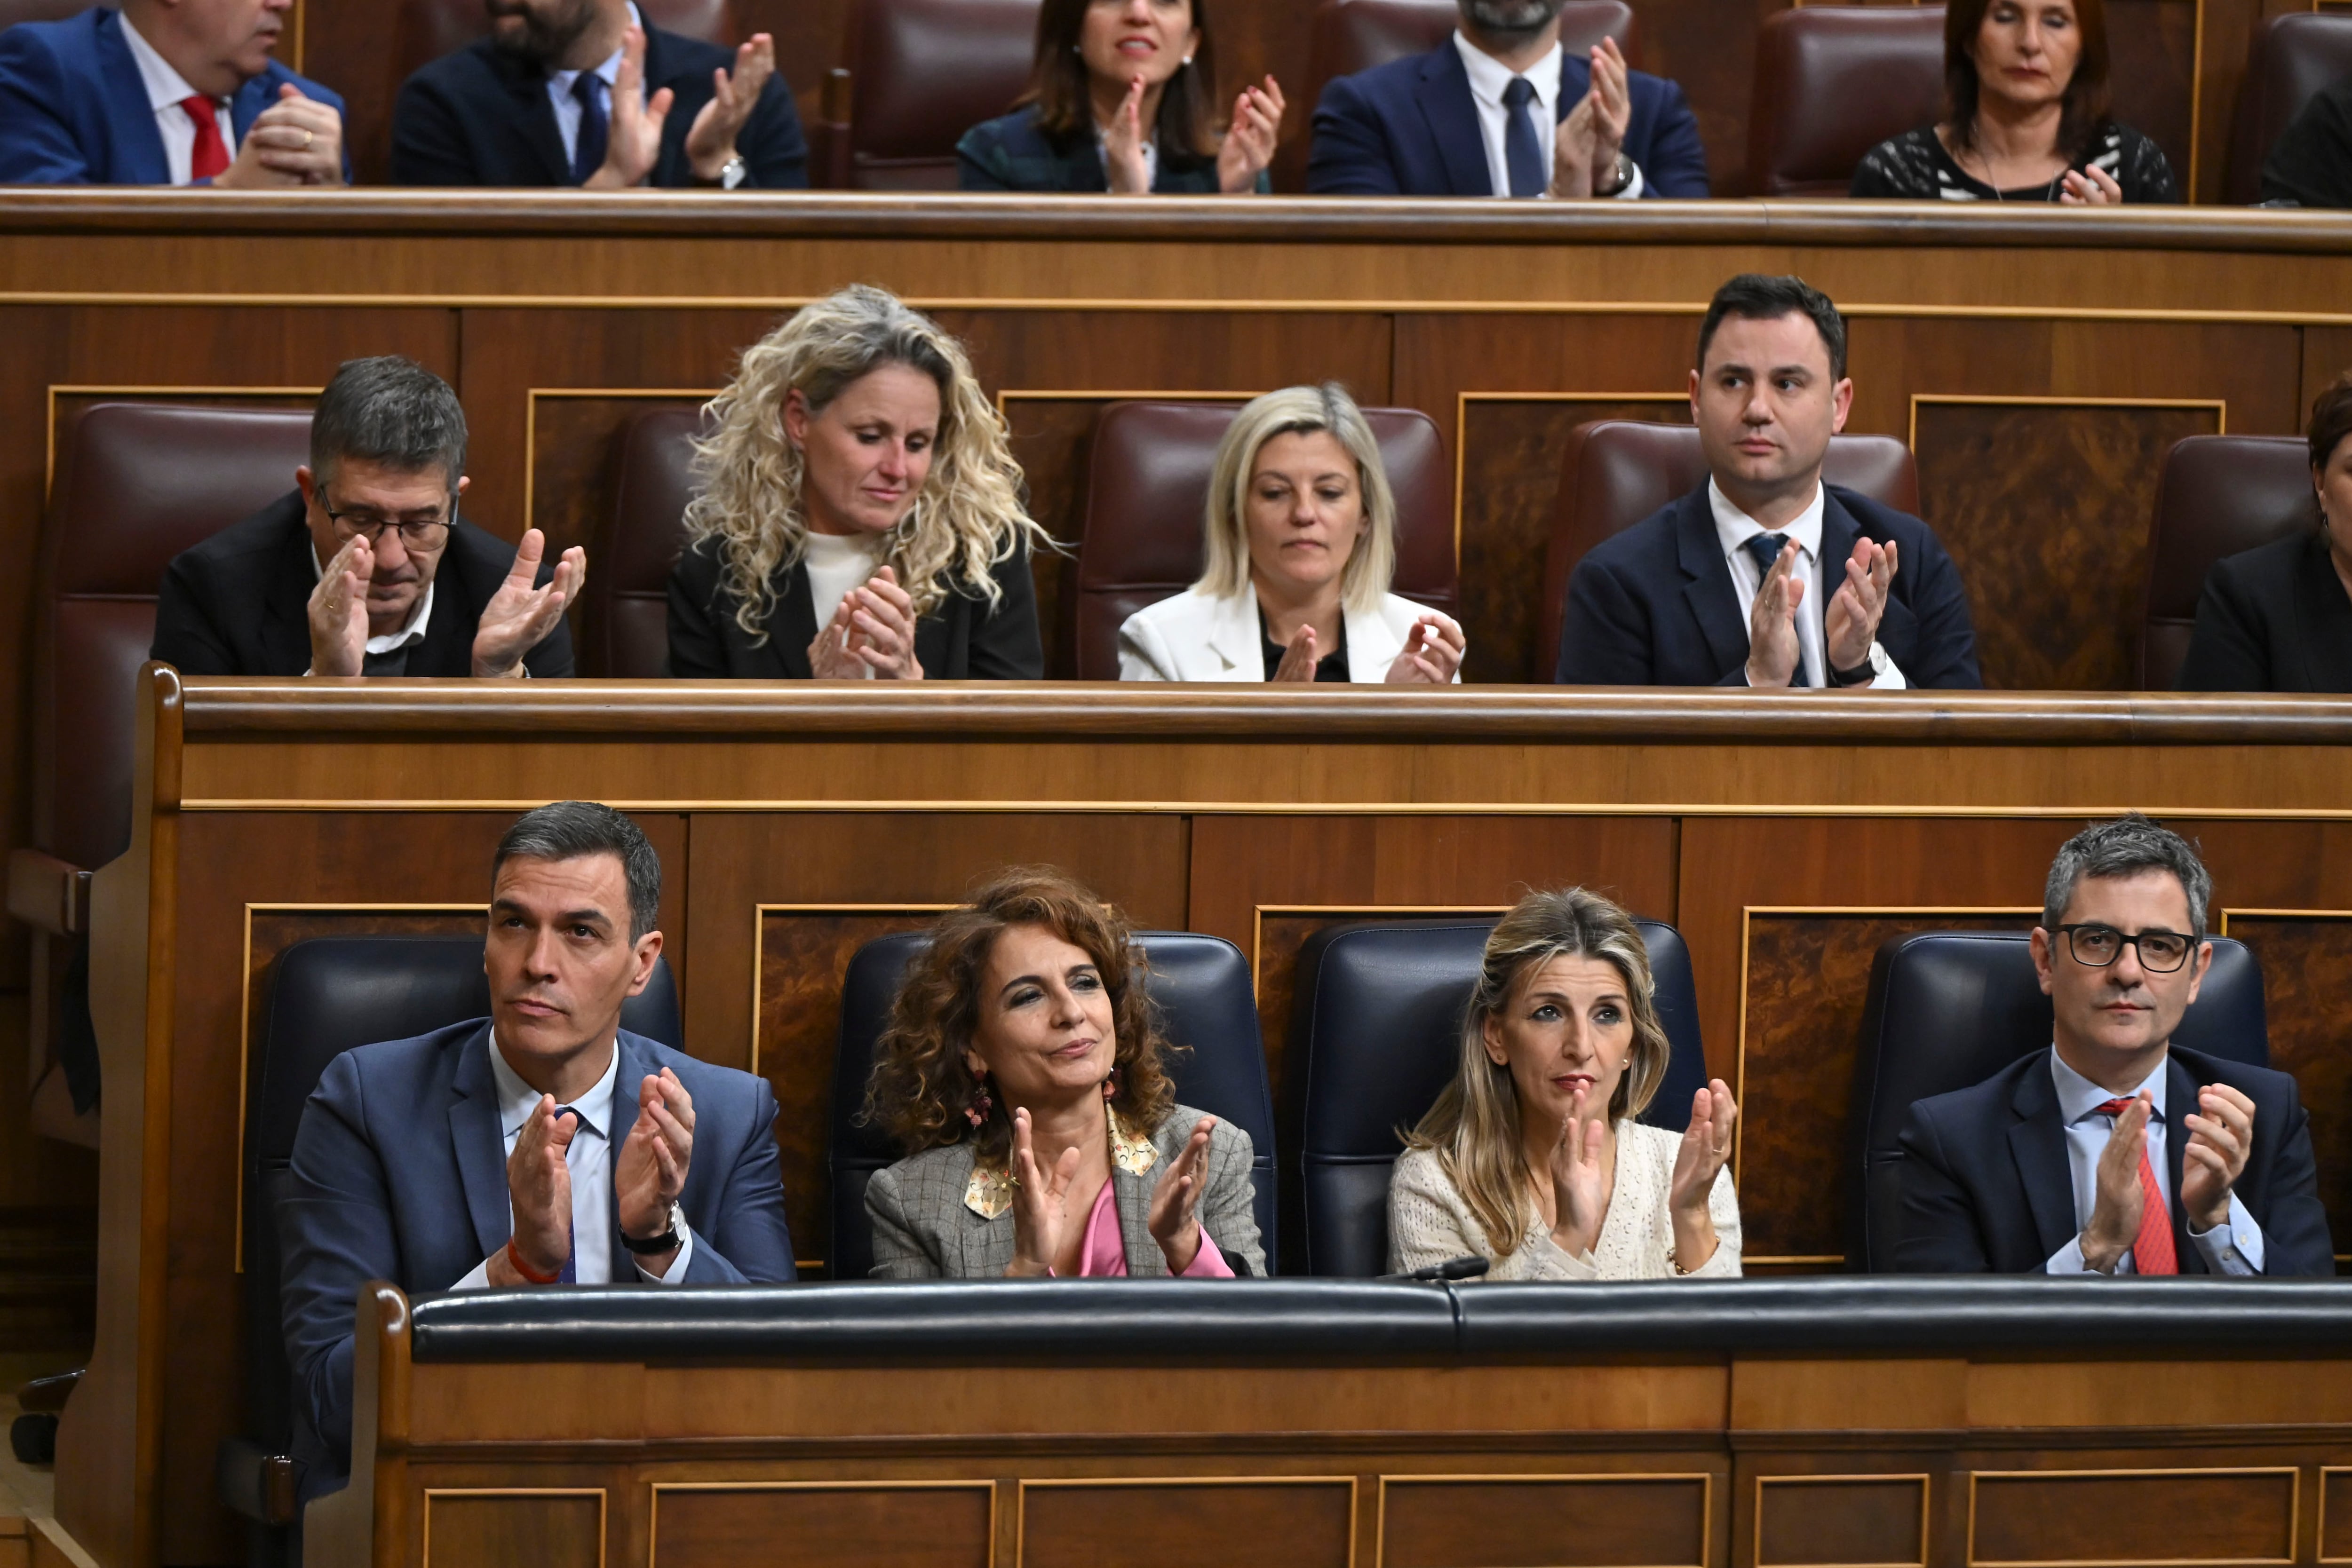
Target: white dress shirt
column 837, row 563
column 589, row 1157
column 1733, row 527
column 567, row 108
column 167, row 90
column 2235, row 1248
column 1488, row 77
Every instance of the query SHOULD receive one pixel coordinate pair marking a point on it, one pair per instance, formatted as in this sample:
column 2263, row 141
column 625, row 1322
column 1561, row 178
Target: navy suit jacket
column 400, row 1174
column 1655, row 606
column 1410, row 128
column 1014, row 152
column 1987, row 1189
column 482, row 117
column 74, row 110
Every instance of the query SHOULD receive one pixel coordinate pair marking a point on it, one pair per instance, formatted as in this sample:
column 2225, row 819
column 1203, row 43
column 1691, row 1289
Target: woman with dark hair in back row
column 1123, row 97
column 2025, row 117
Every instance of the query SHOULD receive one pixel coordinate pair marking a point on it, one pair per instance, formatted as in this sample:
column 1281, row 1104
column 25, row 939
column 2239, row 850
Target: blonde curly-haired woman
column 858, row 513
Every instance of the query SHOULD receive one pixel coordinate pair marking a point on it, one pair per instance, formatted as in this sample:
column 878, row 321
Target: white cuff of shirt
column 1889, row 679
column 2235, row 1248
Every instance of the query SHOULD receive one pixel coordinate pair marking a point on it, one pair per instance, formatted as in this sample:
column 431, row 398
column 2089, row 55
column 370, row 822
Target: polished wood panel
column 1573, row 1520
column 1816, row 1520
column 490, row 1529
column 2304, row 960
column 922, row 1526
column 2336, row 1515
column 2237, row 1516
column 1254, row 1522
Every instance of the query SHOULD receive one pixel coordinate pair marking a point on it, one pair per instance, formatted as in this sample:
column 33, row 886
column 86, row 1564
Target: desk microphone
column 1469, row 1268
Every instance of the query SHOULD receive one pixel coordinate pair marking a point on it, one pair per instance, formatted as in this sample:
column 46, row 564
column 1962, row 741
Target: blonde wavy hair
column 1299, row 410
column 969, row 515
column 1475, row 1126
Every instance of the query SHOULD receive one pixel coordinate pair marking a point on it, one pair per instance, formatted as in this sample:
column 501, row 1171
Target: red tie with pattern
column 2152, row 1249
column 210, row 158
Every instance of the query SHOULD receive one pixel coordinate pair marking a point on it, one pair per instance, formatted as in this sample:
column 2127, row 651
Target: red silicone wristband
column 526, row 1271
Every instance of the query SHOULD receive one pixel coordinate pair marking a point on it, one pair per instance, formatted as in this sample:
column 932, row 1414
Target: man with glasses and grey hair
column 365, row 569
column 2114, row 1152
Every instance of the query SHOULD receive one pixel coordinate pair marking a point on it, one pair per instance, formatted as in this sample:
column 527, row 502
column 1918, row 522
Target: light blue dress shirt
column 2235, row 1248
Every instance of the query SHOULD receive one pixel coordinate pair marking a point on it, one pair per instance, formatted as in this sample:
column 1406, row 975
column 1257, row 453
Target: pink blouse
column 1103, row 1254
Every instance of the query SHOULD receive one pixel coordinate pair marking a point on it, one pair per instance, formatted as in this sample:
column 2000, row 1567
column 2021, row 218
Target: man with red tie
column 163, row 92
column 2114, row 1152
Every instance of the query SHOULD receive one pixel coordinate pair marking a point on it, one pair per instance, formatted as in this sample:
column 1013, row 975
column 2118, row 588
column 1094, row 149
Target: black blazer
column 1656, row 605
column 1013, row 153
column 963, row 640
column 2272, row 619
column 481, row 117
column 1986, row 1188
column 240, row 604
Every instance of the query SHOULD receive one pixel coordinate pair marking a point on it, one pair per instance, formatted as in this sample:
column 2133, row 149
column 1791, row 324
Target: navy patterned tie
column 570, row 1274
column 1522, row 152
column 595, row 123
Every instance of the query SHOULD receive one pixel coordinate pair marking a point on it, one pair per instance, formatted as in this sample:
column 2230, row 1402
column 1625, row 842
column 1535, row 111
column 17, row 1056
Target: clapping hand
column 1175, row 1221
column 1579, row 1186
column 874, row 629
column 338, row 612
column 1433, row 653
column 1250, row 139
column 1298, row 656
column 710, row 140
column 1705, row 1147
column 2221, row 1137
column 1772, row 623
column 1589, row 140
column 1041, row 1216
column 1849, row 621
column 650, row 1173
column 538, row 1190
column 522, row 612
column 1123, row 146
column 2115, row 1209
column 633, row 131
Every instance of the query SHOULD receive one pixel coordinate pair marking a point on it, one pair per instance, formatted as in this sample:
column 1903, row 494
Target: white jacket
column 1195, row 637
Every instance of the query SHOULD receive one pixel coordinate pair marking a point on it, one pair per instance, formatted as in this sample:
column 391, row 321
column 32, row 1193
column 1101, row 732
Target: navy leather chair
column 1207, row 1003
column 1378, row 1022
column 324, row 996
column 1950, row 1009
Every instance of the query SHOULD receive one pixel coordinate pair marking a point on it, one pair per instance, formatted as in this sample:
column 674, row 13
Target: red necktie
column 211, row 155
column 2152, row 1249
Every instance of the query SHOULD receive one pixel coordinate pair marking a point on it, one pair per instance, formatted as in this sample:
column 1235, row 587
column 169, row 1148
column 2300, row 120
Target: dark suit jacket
column 1410, row 128
column 2311, row 164
column 963, row 640
column 1012, row 154
column 400, row 1174
column 481, row 117
column 2272, row 619
column 238, row 603
column 1986, row 1188
column 74, row 110
column 1656, row 605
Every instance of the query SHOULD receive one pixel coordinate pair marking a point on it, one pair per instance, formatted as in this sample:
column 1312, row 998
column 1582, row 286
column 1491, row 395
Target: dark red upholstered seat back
column 2218, row 495
column 431, row 28
column 923, row 72
column 1616, row 472
column 1832, row 83
column 2293, row 56
column 138, row 484
column 625, row 616
column 1147, row 484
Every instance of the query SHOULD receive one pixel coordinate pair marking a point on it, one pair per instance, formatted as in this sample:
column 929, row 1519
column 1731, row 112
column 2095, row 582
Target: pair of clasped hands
column 872, row 633
column 2221, row 1137
column 1046, row 1225
column 633, row 134
column 1848, row 625
column 648, row 1175
column 517, row 618
column 295, row 142
column 1582, row 1180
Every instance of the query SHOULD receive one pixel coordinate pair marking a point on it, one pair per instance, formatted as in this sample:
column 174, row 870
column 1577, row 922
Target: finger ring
column 307, row 138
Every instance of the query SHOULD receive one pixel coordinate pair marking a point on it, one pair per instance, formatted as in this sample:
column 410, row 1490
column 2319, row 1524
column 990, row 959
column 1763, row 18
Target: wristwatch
column 732, row 172
column 671, row 1238
column 1621, row 174
column 1862, row 675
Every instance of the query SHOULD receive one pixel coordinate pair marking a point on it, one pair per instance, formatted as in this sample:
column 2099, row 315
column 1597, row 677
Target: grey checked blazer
column 923, row 1230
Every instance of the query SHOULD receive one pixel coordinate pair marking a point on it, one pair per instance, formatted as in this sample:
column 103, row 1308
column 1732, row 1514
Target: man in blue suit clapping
column 542, row 1145
column 163, row 92
column 1500, row 109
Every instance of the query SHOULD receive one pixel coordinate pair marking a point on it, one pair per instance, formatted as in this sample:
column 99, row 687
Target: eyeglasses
column 422, row 537
column 2160, row 952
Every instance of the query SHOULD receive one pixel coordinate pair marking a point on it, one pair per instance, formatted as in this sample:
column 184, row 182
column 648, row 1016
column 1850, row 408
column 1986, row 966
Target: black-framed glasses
column 2160, row 952
column 415, row 534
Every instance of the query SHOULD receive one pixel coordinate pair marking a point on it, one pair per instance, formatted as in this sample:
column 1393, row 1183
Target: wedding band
column 306, row 140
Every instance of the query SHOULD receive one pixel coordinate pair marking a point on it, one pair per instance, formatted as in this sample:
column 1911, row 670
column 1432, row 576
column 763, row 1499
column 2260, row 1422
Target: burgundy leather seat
column 432, row 28
column 1616, row 472
column 624, row 615
column 2218, row 495
column 1832, row 83
column 921, row 73
column 138, row 484
column 1147, row 483
column 2292, row 57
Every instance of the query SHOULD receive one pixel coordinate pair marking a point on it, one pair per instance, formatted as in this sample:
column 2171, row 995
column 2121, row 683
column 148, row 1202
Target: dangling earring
column 977, row 1112
column 1110, row 1087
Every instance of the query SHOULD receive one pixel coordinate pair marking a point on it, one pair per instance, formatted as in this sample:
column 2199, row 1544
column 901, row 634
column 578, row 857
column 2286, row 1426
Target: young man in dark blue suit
column 542, row 1145
column 2114, row 1150
column 583, row 92
column 1500, row 109
column 163, row 92
column 1766, row 575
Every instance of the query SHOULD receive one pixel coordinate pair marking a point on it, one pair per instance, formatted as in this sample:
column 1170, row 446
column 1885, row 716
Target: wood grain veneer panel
column 2335, row 1514
column 1813, row 1520
column 2304, row 963
column 2153, row 45
column 1808, row 978
column 2124, row 1516
column 1498, row 1521
column 879, row 1526
column 1306, row 1523
column 1510, row 486
column 492, row 1529
column 2045, row 511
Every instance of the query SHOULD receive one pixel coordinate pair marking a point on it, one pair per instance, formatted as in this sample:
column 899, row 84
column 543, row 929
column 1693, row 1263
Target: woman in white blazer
column 1302, row 543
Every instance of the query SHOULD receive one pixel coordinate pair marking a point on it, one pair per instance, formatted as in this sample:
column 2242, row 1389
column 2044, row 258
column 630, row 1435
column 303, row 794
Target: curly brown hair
column 921, row 1086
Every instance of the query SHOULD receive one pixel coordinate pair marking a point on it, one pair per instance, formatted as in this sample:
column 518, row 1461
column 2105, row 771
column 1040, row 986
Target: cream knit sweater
column 1430, row 1222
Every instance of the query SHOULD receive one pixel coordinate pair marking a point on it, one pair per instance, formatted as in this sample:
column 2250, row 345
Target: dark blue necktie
column 1764, row 550
column 570, row 1274
column 588, row 147
column 1522, row 153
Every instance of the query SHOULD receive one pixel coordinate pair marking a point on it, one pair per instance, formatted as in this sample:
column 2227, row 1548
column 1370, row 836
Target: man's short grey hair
column 390, row 411
column 569, row 830
column 2126, row 847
